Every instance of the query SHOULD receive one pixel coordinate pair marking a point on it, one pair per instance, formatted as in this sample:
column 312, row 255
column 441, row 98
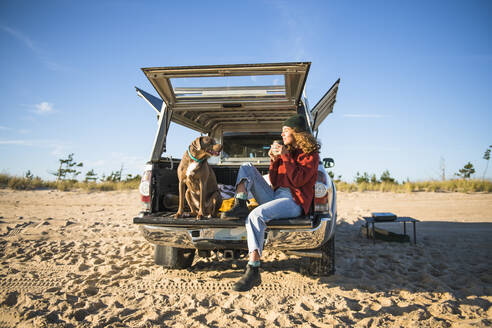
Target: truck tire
column 324, row 266
column 173, row 257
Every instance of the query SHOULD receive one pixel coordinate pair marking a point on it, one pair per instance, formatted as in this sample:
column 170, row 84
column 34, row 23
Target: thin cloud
column 29, row 43
column 114, row 161
column 15, row 142
column 22, row 38
column 44, row 108
column 55, row 147
column 294, row 34
column 364, row 115
column 96, row 163
column 21, row 131
column 58, row 150
column 127, row 159
column 372, row 148
column 130, row 163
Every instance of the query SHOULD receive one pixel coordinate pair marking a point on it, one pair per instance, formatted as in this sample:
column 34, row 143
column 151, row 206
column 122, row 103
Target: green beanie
column 296, row 121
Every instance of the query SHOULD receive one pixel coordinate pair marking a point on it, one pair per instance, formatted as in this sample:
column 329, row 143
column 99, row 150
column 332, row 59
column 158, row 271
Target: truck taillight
column 321, row 203
column 321, row 193
column 144, row 189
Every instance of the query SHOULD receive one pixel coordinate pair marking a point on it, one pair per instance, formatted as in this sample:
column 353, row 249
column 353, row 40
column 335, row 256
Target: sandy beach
column 74, row 259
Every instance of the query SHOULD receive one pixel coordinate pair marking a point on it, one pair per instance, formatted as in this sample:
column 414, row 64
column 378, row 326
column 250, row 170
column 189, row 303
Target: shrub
column 364, row 178
column 4, row 180
column 106, row 186
column 386, row 177
column 66, row 185
column 456, row 185
column 19, row 183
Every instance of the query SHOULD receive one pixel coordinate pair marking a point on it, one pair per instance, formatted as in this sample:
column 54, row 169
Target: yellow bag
column 252, row 204
column 228, row 203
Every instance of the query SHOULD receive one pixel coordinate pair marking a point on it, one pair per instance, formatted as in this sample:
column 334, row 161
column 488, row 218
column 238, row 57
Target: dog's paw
column 178, row 215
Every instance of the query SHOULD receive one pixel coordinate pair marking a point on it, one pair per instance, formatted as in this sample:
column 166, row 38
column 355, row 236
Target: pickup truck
column 242, row 107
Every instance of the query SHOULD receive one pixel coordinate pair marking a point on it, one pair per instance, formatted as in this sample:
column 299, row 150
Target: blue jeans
column 276, row 204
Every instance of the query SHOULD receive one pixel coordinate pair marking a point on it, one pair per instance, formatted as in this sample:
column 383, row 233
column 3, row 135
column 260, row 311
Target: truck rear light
column 320, row 190
column 321, row 193
column 321, row 204
column 144, row 189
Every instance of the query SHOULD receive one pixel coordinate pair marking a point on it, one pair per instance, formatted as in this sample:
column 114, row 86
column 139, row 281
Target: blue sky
column 415, row 86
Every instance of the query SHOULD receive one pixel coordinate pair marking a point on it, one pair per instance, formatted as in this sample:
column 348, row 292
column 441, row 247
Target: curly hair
column 305, row 141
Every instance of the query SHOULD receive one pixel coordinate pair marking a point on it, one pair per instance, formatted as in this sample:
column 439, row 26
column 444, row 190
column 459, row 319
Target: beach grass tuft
column 455, row 185
column 23, row 183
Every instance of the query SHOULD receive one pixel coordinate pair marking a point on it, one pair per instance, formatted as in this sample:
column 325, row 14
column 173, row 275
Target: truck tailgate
column 167, row 220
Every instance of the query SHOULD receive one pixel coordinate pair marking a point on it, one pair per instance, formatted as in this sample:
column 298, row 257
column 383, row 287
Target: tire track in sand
column 195, row 285
column 51, row 278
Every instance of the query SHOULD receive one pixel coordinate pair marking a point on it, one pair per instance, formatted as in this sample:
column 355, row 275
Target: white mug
column 276, row 147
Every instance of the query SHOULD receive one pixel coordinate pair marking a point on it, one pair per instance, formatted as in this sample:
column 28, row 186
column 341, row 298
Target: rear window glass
column 255, row 85
column 248, row 145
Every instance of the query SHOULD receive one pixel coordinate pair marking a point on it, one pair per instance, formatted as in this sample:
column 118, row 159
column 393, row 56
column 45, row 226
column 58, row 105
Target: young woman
column 293, row 173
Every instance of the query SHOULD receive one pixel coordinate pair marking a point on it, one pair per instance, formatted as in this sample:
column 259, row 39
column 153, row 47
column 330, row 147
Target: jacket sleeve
column 273, row 171
column 301, row 169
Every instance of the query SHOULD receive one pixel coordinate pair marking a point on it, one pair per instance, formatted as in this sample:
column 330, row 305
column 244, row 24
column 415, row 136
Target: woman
column 293, row 173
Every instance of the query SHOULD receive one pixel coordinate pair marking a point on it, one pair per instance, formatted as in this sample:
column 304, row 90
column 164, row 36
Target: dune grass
column 22, row 183
column 456, row 185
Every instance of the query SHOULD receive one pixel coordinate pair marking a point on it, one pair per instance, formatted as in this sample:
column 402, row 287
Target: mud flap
column 173, row 258
column 320, row 266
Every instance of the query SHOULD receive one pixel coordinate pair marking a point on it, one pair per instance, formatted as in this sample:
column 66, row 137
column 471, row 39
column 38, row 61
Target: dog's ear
column 197, row 143
column 205, row 141
column 202, row 142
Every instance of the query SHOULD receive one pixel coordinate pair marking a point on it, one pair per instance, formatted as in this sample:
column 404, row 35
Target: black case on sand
column 383, row 216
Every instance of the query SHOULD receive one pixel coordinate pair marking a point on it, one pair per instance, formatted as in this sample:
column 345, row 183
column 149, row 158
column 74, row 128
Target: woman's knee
column 255, row 216
column 247, row 167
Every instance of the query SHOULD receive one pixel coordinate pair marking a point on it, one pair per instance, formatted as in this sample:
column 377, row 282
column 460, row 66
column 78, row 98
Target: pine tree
column 362, row 178
column 115, row 176
column 466, row 171
column 67, row 168
column 130, row 177
column 386, row 177
column 486, row 157
column 91, row 176
column 29, row 176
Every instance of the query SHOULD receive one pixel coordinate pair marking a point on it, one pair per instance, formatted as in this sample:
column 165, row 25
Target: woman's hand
column 275, row 153
column 272, row 156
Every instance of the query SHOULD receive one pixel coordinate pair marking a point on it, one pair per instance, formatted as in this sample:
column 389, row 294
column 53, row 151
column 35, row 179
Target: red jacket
column 297, row 171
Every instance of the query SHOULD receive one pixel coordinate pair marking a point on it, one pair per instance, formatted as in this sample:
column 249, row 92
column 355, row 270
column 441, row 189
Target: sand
column 75, row 259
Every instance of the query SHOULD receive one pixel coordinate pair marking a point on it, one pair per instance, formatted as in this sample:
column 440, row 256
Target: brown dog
column 202, row 195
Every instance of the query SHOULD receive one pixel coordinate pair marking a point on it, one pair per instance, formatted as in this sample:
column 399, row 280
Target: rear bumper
column 283, row 239
column 234, row 237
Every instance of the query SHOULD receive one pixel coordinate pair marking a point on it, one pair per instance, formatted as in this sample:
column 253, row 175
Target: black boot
column 238, row 211
column 250, row 279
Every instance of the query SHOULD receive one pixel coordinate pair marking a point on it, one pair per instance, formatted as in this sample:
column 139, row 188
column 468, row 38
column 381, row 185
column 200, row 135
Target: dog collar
column 193, row 158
